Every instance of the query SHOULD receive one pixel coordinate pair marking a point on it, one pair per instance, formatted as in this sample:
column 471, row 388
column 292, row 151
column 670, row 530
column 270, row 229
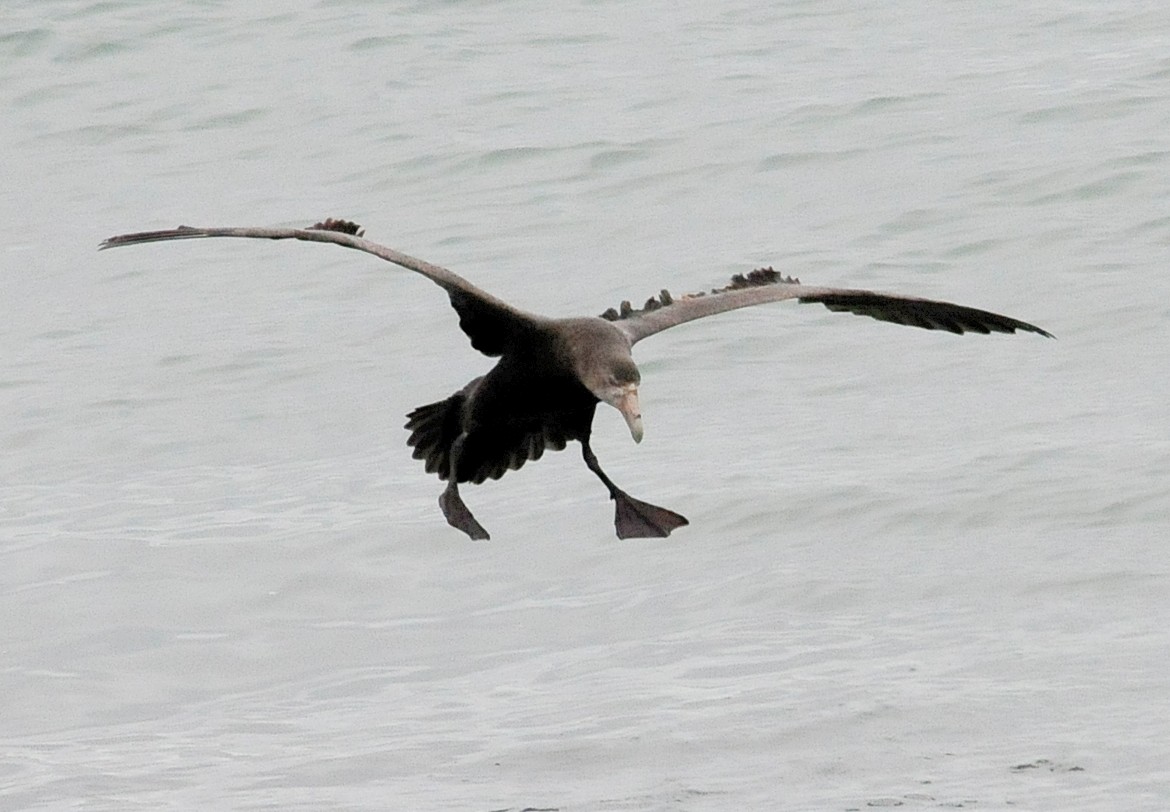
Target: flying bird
column 552, row 373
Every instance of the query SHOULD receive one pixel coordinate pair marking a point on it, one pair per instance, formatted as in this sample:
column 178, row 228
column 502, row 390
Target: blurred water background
column 923, row 570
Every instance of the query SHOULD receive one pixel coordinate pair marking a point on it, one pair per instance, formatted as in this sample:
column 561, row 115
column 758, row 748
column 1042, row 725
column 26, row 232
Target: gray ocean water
column 924, row 571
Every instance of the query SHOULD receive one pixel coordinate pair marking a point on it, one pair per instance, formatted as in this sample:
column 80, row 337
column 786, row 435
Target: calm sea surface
column 923, row 571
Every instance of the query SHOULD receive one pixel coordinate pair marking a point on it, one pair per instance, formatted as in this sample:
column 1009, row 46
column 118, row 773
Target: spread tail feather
column 433, row 428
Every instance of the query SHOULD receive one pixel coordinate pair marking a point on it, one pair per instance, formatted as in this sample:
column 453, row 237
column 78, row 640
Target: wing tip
column 149, row 236
column 334, row 224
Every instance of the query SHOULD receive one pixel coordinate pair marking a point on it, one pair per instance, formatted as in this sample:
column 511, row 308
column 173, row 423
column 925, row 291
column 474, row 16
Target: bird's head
column 620, row 390
column 602, row 361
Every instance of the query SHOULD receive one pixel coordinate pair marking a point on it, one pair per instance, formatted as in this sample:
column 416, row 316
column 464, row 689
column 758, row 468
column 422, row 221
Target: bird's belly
column 526, row 405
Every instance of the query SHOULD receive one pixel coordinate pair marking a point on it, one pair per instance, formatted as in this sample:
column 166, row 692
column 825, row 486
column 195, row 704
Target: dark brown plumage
column 552, row 373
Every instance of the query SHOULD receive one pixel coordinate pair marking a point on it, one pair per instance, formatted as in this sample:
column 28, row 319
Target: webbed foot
column 458, row 515
column 635, row 519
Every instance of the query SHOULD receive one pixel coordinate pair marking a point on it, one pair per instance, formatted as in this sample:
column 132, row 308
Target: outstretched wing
column 766, row 285
column 491, row 324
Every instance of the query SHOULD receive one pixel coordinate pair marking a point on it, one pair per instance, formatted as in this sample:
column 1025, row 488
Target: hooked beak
column 631, row 410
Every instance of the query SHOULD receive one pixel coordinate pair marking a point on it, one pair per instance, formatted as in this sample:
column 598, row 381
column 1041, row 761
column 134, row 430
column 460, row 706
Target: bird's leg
column 457, row 513
column 633, row 518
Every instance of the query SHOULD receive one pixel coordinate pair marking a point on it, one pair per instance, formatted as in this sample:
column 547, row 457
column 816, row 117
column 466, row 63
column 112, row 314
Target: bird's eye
column 624, row 375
